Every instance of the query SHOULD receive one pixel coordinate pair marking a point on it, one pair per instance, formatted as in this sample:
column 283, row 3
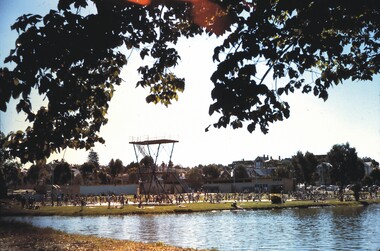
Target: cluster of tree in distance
column 347, row 168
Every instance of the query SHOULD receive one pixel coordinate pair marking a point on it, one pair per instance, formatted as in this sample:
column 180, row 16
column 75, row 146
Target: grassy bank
column 22, row 236
column 183, row 208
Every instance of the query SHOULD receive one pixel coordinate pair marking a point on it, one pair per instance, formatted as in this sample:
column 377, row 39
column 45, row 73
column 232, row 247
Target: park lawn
column 163, row 209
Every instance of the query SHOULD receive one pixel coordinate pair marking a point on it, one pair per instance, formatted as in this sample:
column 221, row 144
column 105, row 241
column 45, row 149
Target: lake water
column 333, row 228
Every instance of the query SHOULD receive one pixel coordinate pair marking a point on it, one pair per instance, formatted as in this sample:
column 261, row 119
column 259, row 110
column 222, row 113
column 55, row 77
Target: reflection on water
column 340, row 228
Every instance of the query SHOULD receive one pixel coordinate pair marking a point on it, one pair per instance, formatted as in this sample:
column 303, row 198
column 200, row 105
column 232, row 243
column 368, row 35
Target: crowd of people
column 56, row 198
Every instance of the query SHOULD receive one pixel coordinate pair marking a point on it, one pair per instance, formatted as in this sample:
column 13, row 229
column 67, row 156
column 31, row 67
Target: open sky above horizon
column 351, row 114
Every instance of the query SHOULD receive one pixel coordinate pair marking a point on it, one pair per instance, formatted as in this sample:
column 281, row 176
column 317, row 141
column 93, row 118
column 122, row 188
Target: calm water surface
column 341, row 228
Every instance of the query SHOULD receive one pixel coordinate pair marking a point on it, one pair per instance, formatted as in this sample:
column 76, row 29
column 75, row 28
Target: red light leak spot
column 140, row 2
column 211, row 16
column 205, row 13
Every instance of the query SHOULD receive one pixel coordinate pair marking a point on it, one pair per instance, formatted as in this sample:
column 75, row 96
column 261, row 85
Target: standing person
column 122, row 200
column 52, row 198
column 109, row 201
column 82, row 203
column 58, row 199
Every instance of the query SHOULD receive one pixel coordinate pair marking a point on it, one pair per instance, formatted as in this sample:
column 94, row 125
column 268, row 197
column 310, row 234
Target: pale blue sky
column 351, row 114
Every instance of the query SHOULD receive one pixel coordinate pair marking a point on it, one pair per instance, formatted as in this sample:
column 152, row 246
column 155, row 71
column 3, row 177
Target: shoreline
column 91, row 210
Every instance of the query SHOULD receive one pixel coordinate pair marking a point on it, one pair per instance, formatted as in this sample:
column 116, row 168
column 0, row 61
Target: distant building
column 368, row 167
column 323, row 170
column 262, row 185
column 260, row 178
column 225, row 174
column 321, row 158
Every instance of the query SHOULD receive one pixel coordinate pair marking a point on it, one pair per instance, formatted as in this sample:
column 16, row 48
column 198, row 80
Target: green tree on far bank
column 375, row 175
column 304, row 166
column 115, row 167
column 87, row 169
column 211, row 172
column 62, row 173
column 132, row 170
column 93, row 157
column 194, row 178
column 240, row 172
column 33, row 173
column 12, row 173
column 347, row 168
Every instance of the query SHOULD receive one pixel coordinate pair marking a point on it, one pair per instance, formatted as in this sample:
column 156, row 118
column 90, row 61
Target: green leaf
column 251, row 127
column 280, row 91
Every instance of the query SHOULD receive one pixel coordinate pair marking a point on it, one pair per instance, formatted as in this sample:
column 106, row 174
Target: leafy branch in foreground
column 336, row 40
column 74, row 60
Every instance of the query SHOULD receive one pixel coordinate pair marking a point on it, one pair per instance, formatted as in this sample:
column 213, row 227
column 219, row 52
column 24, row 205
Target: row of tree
column 346, row 168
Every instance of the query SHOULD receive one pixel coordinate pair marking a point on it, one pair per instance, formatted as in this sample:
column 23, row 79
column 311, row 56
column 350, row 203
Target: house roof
column 369, row 163
column 243, row 162
column 263, row 171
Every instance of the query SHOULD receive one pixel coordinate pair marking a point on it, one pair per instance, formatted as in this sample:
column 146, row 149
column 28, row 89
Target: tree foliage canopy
column 62, row 173
column 116, row 167
column 93, row 158
column 211, row 171
column 194, row 178
column 74, row 60
column 304, row 166
column 240, row 172
column 347, row 167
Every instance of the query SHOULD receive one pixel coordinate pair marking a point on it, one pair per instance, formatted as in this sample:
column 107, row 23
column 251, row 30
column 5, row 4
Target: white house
column 368, row 168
